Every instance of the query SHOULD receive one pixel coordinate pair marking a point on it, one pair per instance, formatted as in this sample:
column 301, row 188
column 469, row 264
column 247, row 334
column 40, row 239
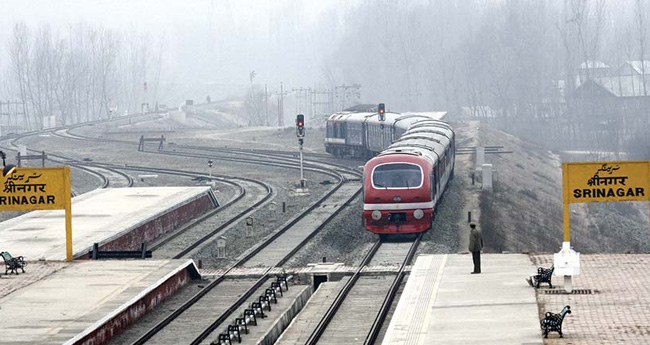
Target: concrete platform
column 88, row 301
column 616, row 310
column 443, row 303
column 117, row 219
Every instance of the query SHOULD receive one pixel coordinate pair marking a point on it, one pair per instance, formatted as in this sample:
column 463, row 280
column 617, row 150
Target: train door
column 364, row 135
column 435, row 184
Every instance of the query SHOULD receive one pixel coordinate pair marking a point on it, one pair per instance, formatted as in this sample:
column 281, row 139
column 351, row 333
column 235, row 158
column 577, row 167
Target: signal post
column 381, row 110
column 300, row 133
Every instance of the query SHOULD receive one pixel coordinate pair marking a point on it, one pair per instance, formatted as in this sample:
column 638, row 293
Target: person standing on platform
column 475, row 246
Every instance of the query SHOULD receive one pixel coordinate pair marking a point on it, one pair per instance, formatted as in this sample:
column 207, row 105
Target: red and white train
column 415, row 156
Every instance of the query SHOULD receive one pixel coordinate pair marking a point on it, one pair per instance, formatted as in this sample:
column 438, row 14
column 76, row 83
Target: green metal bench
column 13, row 263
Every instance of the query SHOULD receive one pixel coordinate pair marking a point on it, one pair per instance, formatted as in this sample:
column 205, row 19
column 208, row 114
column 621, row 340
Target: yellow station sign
column 603, row 182
column 28, row 189
column 34, row 189
column 606, row 181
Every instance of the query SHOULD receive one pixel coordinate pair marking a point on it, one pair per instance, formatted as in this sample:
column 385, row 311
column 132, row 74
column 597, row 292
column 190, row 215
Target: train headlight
column 418, row 214
column 376, row 215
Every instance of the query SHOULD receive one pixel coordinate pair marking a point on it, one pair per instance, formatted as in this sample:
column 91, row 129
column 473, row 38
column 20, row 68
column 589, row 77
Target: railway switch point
column 250, row 221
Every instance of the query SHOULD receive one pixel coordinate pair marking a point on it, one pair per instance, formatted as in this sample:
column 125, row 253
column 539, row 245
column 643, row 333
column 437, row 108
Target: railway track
column 289, row 158
column 182, row 325
column 341, row 323
column 184, row 242
column 179, row 243
column 109, row 177
column 168, row 330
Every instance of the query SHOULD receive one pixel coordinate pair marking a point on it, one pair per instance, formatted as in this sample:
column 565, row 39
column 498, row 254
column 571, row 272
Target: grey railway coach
column 362, row 135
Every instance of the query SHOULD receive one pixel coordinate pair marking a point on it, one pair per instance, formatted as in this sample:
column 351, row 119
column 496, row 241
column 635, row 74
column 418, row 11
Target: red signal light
column 381, row 109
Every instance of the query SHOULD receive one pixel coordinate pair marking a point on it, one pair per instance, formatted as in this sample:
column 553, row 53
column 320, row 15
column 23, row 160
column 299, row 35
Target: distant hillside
column 524, row 212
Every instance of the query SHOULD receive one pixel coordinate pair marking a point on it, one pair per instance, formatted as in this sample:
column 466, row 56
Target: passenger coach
column 414, row 158
column 362, row 135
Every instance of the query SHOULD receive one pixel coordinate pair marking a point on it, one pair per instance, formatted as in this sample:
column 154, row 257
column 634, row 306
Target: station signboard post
column 29, row 189
column 597, row 182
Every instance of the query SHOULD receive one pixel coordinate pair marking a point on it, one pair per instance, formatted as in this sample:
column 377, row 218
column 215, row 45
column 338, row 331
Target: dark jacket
column 475, row 240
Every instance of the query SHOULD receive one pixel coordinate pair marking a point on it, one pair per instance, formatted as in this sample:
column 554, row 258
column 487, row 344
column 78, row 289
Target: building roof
column 593, row 64
column 639, row 66
column 623, row 86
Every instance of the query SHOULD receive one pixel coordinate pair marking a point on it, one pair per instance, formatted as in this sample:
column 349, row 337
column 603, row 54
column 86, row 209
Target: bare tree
column 642, row 31
column 254, row 106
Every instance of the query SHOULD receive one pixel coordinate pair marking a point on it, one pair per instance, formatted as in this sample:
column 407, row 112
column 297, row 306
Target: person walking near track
column 475, row 246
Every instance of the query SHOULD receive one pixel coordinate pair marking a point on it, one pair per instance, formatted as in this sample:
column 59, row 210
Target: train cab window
column 397, row 176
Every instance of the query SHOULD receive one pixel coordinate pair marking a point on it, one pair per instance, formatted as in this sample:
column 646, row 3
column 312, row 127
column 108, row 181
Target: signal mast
column 300, row 133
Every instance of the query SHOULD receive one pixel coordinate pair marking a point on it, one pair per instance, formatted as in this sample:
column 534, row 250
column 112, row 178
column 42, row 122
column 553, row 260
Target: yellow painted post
column 565, row 203
column 567, row 222
column 67, row 189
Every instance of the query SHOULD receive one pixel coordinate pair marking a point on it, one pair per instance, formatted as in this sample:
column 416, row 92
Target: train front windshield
column 397, row 175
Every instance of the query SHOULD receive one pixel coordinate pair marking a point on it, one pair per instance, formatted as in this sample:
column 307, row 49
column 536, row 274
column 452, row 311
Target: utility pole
column 281, row 105
column 266, row 105
column 321, row 102
column 343, row 97
column 303, row 98
column 281, row 112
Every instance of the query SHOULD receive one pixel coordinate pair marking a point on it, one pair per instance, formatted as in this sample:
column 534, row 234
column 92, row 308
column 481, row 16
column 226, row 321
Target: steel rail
column 294, row 166
column 163, row 323
column 196, row 221
column 212, row 233
column 255, row 152
column 338, row 300
column 267, row 153
column 282, row 261
column 226, row 314
column 340, row 297
column 390, row 295
column 81, row 166
column 151, row 332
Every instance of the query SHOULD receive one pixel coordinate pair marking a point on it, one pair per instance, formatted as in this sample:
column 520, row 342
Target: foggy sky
column 203, row 40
